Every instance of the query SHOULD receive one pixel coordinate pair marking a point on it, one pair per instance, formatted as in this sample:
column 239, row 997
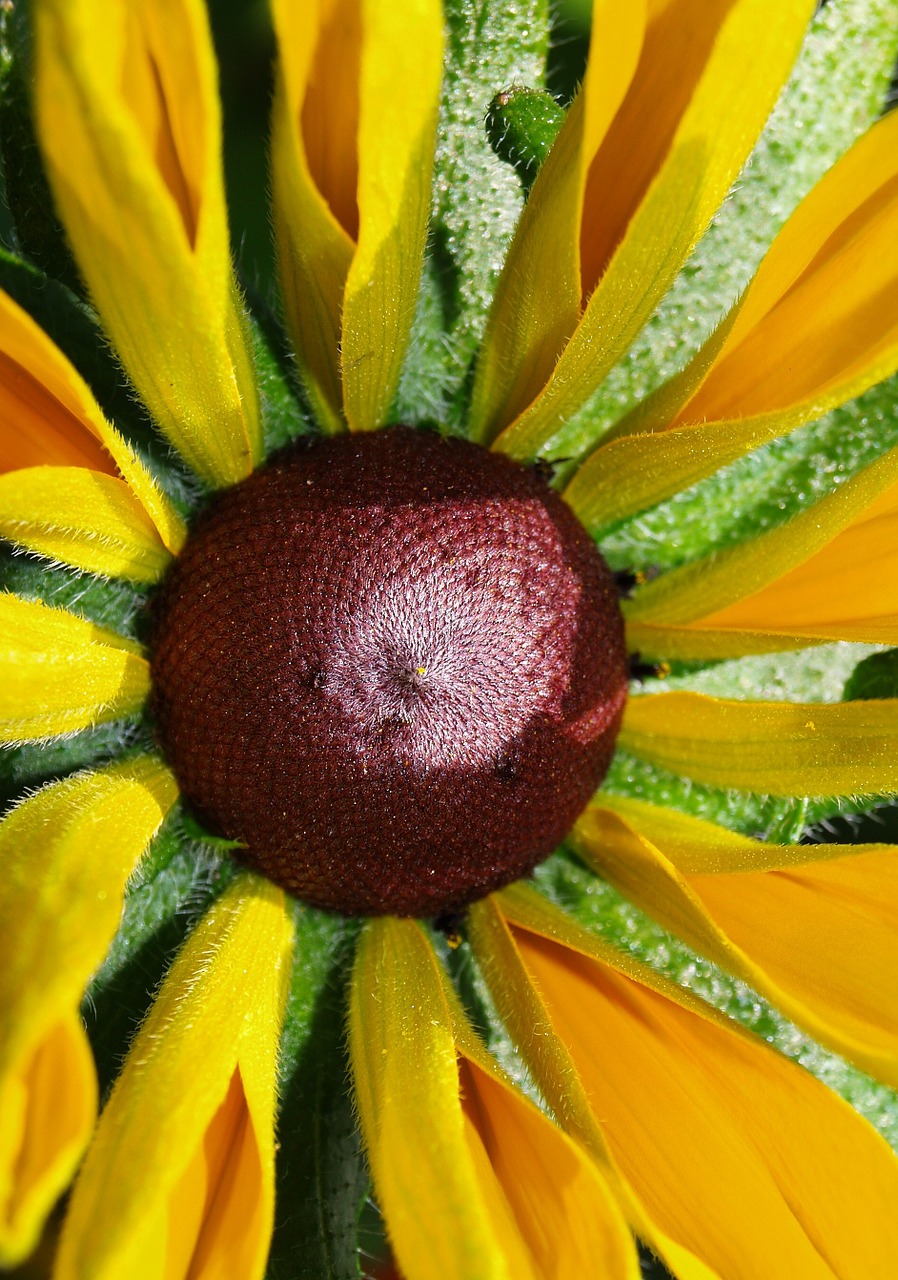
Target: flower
column 669, row 1122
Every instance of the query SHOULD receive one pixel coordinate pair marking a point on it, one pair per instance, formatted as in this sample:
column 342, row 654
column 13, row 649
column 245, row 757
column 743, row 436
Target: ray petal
column 48, row 416
column 67, row 852
column 714, row 1131
column 538, row 298
column 811, row 927
column 352, row 153
column 733, row 59
column 83, row 518
column 829, row 573
column 131, row 134
column 493, row 1188
column 63, row 673
column 816, row 327
column 179, row 1181
column 775, row 748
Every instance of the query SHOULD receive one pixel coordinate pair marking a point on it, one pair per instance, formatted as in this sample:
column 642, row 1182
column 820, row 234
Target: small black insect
column 546, row 468
column 450, row 924
column 640, row 670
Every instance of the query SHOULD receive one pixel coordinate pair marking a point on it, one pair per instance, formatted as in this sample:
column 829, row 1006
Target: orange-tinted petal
column 472, row 1178
column 354, row 131
column 715, row 1132
column 538, row 298
column 812, row 927
column 829, row 573
column 706, row 106
column 129, row 123
column 48, row 415
column 817, row 326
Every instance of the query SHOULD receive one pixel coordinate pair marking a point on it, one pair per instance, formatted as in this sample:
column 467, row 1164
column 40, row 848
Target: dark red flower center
column 393, row 667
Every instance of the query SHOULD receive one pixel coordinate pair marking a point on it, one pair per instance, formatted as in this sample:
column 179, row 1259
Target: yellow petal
column 494, row 1188
column 399, row 95
column 713, row 94
column 810, row 927
column 828, row 573
column 314, row 246
column 538, row 299
column 179, row 1181
column 62, row 672
column 816, row 327
column 48, row 415
column 352, row 151
column 66, row 853
column 715, row 1132
column 543, row 1184
column 552, row 1067
column 130, row 130
column 777, row 748
column 84, row 518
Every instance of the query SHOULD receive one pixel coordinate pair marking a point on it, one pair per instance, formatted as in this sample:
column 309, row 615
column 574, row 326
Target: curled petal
column 538, row 298
column 682, row 133
column 130, row 130
column 67, row 853
column 352, row 151
column 179, row 1181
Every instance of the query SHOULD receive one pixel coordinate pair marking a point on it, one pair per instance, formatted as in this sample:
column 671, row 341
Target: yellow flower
column 655, row 1117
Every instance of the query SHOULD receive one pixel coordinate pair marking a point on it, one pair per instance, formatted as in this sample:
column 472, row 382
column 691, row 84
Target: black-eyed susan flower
column 304, row 680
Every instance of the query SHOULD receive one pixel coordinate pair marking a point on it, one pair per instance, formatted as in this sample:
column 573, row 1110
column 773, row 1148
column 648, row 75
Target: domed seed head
column 393, row 667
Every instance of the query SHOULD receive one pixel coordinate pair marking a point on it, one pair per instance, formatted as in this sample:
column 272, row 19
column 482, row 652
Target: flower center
column 393, row 667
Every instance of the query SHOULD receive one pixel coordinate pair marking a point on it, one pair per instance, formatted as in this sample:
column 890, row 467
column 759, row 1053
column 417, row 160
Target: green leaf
column 491, row 45
column 521, row 125
column 322, row 1177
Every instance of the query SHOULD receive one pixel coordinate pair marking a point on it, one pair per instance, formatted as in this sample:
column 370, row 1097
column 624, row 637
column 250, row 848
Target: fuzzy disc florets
column 393, row 667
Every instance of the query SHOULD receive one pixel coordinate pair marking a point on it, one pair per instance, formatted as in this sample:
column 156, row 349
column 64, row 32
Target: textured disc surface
column 393, row 667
